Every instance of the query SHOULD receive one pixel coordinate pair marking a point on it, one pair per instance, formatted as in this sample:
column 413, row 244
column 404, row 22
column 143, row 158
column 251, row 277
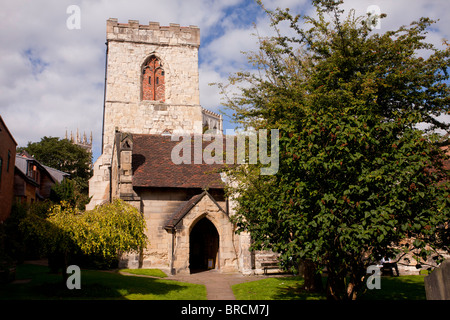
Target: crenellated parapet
column 211, row 120
column 152, row 33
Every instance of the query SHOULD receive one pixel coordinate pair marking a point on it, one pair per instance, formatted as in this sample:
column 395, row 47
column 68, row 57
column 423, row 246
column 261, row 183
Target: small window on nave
column 153, row 84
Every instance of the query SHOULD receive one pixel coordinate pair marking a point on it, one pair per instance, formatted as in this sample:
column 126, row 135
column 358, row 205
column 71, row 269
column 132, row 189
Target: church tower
column 151, row 87
column 152, row 82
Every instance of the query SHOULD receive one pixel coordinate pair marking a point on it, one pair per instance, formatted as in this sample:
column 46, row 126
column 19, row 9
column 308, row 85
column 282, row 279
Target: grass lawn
column 284, row 288
column 289, row 288
column 145, row 272
column 35, row 282
column 398, row 288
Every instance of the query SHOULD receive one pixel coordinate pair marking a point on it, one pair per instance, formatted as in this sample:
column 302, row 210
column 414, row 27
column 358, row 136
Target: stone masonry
column 128, row 48
column 147, row 62
column 129, row 45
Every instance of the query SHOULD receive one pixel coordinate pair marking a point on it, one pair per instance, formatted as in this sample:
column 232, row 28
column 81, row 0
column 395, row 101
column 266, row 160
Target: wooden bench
column 269, row 265
column 388, row 268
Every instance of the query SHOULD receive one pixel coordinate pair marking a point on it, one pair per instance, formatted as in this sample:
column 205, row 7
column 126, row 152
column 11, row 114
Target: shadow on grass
column 277, row 288
column 97, row 285
column 296, row 291
column 392, row 288
column 398, row 288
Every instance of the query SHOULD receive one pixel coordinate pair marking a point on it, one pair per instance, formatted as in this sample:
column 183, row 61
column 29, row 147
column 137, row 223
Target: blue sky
column 52, row 78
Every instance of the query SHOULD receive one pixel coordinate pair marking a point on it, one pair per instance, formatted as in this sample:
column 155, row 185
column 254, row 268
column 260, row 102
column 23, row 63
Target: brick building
column 7, row 162
column 33, row 181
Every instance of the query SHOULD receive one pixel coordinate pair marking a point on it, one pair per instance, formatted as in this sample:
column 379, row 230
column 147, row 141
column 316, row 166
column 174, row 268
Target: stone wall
column 158, row 208
column 125, row 63
column 172, row 253
column 99, row 183
column 212, row 120
column 176, row 48
column 129, row 46
column 169, row 250
column 147, row 118
column 152, row 33
column 228, row 242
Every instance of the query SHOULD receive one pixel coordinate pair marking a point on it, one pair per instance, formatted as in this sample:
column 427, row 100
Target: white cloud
column 52, row 77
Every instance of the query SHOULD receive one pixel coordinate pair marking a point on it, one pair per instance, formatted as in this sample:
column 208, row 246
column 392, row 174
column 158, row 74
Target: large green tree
column 356, row 176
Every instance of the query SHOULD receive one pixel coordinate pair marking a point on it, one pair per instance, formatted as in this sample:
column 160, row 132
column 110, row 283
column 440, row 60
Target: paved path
column 218, row 285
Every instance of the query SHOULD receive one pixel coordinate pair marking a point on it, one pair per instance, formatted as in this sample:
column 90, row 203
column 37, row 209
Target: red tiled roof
column 153, row 166
column 186, row 207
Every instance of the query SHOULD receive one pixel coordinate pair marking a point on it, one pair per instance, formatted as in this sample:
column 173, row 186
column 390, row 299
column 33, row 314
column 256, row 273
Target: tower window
column 153, row 90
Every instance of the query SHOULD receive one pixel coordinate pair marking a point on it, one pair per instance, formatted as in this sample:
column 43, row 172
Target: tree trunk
column 336, row 289
column 351, row 291
column 64, row 266
column 356, row 282
column 313, row 280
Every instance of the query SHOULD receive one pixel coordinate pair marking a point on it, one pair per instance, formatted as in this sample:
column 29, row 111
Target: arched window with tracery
column 153, row 80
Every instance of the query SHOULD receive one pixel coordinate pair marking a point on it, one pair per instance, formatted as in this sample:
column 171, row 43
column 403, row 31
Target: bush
column 95, row 237
column 13, row 241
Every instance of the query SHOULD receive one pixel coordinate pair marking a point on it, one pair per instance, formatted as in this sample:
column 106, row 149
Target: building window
column 153, row 89
column 1, row 165
column 33, row 172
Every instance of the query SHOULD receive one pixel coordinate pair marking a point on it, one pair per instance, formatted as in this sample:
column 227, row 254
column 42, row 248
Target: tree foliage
column 63, row 155
column 106, row 231
column 356, row 174
column 73, row 191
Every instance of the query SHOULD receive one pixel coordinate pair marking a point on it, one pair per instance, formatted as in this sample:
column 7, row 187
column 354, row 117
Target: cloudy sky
column 52, row 77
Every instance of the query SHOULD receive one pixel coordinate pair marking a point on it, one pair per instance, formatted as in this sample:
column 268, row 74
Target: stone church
column 152, row 93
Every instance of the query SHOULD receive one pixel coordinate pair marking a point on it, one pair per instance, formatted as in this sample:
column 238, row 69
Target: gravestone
column 437, row 284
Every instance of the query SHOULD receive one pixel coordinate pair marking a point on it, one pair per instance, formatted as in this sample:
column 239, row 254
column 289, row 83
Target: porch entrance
column 203, row 246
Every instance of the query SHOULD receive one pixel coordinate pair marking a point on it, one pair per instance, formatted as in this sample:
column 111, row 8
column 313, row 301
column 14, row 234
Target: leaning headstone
column 437, row 284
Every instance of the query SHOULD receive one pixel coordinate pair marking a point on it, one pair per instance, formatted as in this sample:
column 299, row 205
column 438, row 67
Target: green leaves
column 356, row 176
column 106, row 231
column 62, row 155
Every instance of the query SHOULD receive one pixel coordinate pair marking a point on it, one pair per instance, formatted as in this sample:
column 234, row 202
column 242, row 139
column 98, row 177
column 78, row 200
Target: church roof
column 186, row 207
column 153, row 165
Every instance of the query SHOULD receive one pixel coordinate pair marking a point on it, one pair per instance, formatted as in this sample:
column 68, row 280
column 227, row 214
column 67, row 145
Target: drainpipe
column 172, row 271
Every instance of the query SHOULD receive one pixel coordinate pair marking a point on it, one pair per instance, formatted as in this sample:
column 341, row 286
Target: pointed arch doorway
column 203, row 246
